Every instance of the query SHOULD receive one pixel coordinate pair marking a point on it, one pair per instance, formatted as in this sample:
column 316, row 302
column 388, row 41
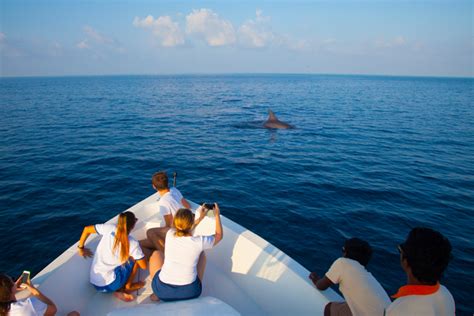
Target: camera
column 25, row 276
column 209, row 206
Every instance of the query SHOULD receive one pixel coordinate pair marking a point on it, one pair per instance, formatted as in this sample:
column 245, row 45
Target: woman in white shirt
column 117, row 258
column 38, row 304
column 178, row 275
column 35, row 305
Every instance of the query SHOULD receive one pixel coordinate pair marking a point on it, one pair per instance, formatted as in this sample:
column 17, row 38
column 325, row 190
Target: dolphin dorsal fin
column 271, row 116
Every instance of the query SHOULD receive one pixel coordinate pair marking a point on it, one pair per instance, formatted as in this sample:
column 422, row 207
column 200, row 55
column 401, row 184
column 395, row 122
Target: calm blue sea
column 370, row 157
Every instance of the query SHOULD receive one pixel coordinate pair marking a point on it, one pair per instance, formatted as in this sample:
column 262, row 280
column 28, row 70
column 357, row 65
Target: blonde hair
column 183, row 221
column 126, row 222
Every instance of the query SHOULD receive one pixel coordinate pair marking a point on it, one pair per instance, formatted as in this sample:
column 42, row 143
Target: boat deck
column 244, row 274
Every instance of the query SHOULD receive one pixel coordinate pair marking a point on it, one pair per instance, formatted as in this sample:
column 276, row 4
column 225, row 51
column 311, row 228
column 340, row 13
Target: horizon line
column 235, row 73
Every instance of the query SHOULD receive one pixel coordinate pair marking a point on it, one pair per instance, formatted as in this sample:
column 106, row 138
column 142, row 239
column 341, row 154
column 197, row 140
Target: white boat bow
column 244, row 275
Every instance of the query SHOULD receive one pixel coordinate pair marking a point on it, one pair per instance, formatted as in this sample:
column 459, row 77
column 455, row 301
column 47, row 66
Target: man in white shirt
column 423, row 256
column 171, row 200
column 363, row 293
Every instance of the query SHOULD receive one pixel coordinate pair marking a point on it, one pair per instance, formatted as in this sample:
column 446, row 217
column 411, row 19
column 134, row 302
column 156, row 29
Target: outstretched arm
column 168, row 220
column 320, row 283
column 85, row 252
column 219, row 231
column 51, row 307
column 202, row 214
column 185, row 203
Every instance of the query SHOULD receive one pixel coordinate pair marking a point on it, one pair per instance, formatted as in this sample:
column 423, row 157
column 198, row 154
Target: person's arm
column 86, row 252
column 185, row 203
column 51, row 307
column 320, row 283
column 219, row 231
column 202, row 214
column 168, row 220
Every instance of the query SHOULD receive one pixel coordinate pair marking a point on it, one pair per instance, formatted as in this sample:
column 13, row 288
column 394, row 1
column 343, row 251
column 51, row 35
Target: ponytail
column 183, row 222
column 126, row 222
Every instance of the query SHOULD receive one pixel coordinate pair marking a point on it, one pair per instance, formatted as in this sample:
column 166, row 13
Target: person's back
column 177, row 274
column 170, row 202
column 117, row 258
column 424, row 256
column 181, row 257
column 106, row 259
column 362, row 292
column 439, row 303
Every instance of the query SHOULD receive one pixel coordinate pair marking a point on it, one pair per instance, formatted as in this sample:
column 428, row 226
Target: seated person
column 363, row 294
column 171, row 200
column 178, row 275
column 117, row 257
column 37, row 304
column 423, row 256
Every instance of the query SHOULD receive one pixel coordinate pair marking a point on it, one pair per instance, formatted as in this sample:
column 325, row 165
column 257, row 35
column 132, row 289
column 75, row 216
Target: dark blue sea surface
column 370, row 157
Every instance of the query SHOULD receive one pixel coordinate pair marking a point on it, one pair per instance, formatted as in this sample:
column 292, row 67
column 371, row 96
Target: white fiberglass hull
column 244, row 271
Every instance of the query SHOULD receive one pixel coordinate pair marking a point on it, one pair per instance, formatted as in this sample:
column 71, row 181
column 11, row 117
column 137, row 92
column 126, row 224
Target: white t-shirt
column 362, row 292
column 182, row 256
column 28, row 307
column 105, row 260
column 439, row 303
column 170, row 202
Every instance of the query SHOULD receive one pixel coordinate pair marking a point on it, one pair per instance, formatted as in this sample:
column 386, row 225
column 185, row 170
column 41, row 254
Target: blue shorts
column 122, row 273
column 169, row 292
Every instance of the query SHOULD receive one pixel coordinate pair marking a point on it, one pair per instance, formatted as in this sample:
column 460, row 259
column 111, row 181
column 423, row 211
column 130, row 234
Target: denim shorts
column 170, row 292
column 122, row 273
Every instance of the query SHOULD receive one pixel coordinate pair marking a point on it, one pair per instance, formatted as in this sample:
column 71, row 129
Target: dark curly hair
column 359, row 250
column 428, row 253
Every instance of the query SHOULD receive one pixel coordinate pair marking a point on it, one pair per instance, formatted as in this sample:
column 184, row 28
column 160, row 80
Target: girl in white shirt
column 177, row 275
column 117, row 258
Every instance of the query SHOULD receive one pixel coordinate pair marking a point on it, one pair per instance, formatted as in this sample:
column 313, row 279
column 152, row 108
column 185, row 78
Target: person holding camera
column 36, row 304
column 177, row 274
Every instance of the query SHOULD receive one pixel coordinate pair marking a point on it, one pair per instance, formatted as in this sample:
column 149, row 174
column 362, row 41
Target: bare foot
column 124, row 296
column 154, row 298
column 134, row 286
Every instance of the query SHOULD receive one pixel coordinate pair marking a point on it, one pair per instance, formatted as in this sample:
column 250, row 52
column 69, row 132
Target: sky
column 112, row 37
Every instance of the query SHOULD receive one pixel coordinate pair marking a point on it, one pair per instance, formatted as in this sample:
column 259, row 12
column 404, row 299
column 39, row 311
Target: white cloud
column 208, row 25
column 83, row 45
column 398, row 41
column 167, row 31
column 2, row 37
column 256, row 33
column 96, row 39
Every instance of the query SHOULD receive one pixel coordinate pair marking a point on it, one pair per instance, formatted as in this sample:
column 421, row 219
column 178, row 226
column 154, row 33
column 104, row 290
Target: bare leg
column 147, row 248
column 156, row 262
column 157, row 237
column 130, row 286
column 201, row 265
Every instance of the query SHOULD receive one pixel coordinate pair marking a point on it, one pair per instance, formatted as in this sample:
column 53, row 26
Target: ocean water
column 370, row 157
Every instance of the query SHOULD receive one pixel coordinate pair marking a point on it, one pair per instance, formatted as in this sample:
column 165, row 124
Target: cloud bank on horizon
column 208, row 40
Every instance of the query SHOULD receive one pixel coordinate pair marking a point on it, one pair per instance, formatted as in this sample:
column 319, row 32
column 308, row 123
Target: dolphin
column 274, row 123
